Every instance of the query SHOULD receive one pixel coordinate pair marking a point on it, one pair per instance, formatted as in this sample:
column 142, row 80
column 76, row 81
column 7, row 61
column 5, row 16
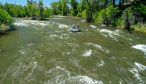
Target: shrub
column 101, row 16
column 79, row 15
column 118, row 22
column 128, row 14
column 140, row 13
column 95, row 15
column 89, row 15
column 108, row 13
column 84, row 14
column 5, row 18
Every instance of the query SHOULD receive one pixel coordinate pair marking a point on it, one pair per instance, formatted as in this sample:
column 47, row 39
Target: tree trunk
column 90, row 12
column 114, row 3
column 105, row 3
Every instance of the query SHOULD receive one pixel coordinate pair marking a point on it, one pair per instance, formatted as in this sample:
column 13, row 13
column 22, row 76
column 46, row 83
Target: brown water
column 45, row 52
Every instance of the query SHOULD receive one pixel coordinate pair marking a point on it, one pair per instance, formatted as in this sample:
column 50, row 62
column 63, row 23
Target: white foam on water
column 62, row 26
column 34, row 66
column 59, row 16
column 58, row 68
column 83, row 20
column 66, row 36
column 138, row 68
column 57, row 36
column 38, row 23
column 85, row 80
column 56, row 18
column 103, row 25
column 30, row 44
column 120, row 82
column 61, row 76
column 42, row 24
column 24, row 69
column 112, row 34
column 20, row 24
column 62, row 36
column 22, row 51
column 118, row 31
column 92, row 26
column 87, row 53
column 141, row 47
column 105, row 31
column 53, row 35
column 98, row 47
column 58, row 75
column 101, row 63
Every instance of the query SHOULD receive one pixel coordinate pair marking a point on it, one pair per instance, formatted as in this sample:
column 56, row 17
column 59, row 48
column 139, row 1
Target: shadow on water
column 12, row 29
column 3, row 33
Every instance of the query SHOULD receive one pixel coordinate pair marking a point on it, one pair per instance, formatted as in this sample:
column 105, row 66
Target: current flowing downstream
column 45, row 52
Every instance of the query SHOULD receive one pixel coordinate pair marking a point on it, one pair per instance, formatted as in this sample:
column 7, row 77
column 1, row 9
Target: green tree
column 83, row 5
column 30, row 7
column 5, row 18
column 56, row 7
column 74, row 5
column 26, row 13
column 47, row 12
column 64, row 7
column 41, row 9
column 89, row 17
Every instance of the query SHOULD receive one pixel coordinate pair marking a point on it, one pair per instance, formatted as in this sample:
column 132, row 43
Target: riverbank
column 137, row 28
column 140, row 27
column 5, row 28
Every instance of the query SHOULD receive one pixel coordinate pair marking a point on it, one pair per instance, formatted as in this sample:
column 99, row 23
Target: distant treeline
column 31, row 9
column 108, row 12
column 102, row 11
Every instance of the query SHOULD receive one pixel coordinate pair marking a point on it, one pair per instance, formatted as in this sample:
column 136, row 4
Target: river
column 45, row 52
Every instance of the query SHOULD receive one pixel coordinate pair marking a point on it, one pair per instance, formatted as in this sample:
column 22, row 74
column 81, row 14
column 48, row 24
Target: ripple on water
column 32, row 22
column 101, row 63
column 87, row 53
column 20, row 24
column 137, row 72
column 84, row 80
column 63, row 26
column 60, row 36
column 92, row 26
column 98, row 47
column 141, row 47
column 24, row 71
column 59, row 16
column 53, row 36
column 30, row 44
column 22, row 51
column 111, row 34
column 61, row 76
column 83, row 20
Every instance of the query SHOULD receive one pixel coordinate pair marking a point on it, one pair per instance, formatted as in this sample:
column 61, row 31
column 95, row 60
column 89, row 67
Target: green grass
column 140, row 27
